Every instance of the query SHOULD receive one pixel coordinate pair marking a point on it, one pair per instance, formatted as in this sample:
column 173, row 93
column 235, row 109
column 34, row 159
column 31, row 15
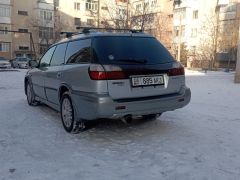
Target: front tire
column 68, row 116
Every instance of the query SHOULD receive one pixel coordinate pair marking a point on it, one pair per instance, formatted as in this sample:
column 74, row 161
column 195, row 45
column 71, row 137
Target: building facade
column 34, row 19
column 5, row 24
column 206, row 36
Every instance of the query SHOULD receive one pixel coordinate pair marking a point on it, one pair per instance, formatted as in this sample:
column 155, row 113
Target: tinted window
column 79, row 51
column 59, row 55
column 45, row 60
column 129, row 50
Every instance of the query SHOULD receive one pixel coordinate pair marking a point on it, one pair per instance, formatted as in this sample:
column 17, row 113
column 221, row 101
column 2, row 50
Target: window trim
column 39, row 67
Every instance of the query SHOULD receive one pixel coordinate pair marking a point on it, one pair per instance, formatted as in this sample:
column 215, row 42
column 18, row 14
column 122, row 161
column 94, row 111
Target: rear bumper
column 102, row 106
column 6, row 66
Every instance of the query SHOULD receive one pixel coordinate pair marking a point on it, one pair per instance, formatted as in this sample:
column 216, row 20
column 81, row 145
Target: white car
column 20, row 62
column 4, row 63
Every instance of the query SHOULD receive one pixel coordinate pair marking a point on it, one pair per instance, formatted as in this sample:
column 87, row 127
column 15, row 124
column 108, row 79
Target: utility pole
column 237, row 74
column 127, row 15
column 98, row 14
column 180, row 38
column 32, row 47
column 178, row 3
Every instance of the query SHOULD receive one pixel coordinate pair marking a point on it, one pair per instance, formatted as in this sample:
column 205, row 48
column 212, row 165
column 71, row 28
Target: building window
column 123, row 1
column 4, row 47
column 77, row 6
column 194, row 32
column 183, row 31
column 154, row 2
column 4, row 11
column 195, row 14
column 3, row 28
column 105, row 8
column 90, row 22
column 56, row 3
column 91, row 5
column 176, row 31
column 146, row 5
column 45, row 32
column 138, row 7
column 122, row 12
column 180, row 13
column 46, row 15
column 23, row 30
column 77, row 21
column 23, row 48
column 24, row 13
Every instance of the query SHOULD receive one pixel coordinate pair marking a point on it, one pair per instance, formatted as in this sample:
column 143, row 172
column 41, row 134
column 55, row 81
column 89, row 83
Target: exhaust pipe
column 127, row 119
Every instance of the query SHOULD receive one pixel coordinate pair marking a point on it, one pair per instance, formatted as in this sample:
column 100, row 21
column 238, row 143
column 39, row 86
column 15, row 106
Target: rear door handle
column 59, row 74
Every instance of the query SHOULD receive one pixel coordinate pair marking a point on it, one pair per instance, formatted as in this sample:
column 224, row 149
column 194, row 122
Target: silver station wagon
column 118, row 75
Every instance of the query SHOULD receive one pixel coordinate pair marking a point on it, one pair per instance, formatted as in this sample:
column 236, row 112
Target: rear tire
column 68, row 117
column 30, row 95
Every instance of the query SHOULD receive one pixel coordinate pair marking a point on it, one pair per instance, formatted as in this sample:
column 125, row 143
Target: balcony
column 6, row 2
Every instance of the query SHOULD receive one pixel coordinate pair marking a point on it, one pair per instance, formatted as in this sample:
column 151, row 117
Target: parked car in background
column 97, row 75
column 20, row 62
column 4, row 63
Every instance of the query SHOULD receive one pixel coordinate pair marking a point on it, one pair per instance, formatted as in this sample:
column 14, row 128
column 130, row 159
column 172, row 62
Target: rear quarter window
column 79, row 51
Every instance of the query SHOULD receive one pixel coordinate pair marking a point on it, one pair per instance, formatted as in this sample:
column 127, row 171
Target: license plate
column 147, row 81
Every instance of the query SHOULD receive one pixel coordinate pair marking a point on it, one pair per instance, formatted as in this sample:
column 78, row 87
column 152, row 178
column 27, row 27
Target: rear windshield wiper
column 131, row 60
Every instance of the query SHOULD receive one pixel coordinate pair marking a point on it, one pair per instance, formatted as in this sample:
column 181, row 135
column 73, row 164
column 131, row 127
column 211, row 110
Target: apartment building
column 36, row 18
column 228, row 31
column 155, row 17
column 209, row 33
column 74, row 13
column 5, row 24
column 96, row 13
column 188, row 23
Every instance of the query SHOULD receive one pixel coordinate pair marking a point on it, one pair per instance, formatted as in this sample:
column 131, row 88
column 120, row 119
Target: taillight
column 177, row 70
column 106, row 72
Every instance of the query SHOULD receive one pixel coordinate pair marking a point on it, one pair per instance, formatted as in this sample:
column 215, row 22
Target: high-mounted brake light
column 177, row 70
column 106, row 72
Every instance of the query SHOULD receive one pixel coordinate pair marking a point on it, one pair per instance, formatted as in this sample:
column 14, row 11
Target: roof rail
column 68, row 34
column 88, row 29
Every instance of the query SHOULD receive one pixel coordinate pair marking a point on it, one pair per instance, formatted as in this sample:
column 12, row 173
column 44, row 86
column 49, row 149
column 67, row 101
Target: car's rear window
column 22, row 59
column 114, row 50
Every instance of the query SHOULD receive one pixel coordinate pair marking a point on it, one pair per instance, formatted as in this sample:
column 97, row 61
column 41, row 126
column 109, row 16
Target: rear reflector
column 107, row 72
column 120, row 107
column 181, row 100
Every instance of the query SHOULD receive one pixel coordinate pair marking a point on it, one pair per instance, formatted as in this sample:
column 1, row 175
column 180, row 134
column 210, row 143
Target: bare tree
column 123, row 15
column 207, row 47
column 228, row 37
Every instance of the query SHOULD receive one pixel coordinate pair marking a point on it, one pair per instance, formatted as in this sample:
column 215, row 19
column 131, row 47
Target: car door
column 38, row 75
column 53, row 76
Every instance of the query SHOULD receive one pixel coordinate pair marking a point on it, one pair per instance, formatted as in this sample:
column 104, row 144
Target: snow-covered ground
column 198, row 142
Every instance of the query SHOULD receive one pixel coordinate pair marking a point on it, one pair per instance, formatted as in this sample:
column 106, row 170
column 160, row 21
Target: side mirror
column 32, row 63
